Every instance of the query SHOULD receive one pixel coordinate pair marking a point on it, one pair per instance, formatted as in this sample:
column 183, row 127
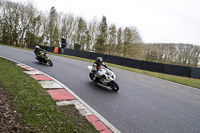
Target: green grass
column 177, row 79
column 33, row 104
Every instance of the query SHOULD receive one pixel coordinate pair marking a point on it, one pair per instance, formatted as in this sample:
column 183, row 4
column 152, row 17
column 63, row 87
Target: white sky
column 165, row 21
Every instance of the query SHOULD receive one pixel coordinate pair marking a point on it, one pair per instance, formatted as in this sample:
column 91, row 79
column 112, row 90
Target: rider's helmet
column 37, row 47
column 99, row 60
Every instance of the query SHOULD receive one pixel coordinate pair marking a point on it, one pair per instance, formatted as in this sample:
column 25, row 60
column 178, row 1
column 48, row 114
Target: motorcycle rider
column 97, row 65
column 38, row 51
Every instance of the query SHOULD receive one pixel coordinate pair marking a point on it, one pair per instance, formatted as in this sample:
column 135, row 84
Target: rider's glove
column 95, row 69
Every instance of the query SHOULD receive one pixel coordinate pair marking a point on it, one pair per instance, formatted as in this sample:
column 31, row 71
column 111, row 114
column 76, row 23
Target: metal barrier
column 144, row 65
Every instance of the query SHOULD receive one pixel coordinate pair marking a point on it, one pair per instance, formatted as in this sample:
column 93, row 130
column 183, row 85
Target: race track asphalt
column 143, row 104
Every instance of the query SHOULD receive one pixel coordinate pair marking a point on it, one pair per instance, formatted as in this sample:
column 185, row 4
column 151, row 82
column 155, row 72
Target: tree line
column 21, row 24
column 179, row 54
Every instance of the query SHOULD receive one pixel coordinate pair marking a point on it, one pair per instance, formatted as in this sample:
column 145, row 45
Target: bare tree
column 179, row 54
column 131, row 42
column 93, row 31
column 10, row 22
column 67, row 27
column 27, row 14
column 81, row 32
column 112, row 39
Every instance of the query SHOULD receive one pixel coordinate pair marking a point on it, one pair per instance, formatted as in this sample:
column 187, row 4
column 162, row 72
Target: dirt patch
column 9, row 123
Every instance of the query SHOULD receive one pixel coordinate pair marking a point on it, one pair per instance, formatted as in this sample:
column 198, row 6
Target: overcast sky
column 165, row 21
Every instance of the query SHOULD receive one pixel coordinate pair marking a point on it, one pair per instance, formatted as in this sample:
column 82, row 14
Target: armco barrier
column 131, row 63
column 82, row 54
column 152, row 66
column 177, row 70
column 51, row 49
column 31, row 47
column 126, row 62
column 69, row 52
column 114, row 59
column 195, row 73
column 47, row 48
column 94, row 56
column 59, row 50
column 145, row 65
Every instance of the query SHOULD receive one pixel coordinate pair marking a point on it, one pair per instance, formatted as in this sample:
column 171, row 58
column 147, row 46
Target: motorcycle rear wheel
column 114, row 86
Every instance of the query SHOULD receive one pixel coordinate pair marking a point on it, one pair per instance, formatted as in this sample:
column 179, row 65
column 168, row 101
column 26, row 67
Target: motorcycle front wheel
column 114, row 86
column 92, row 76
column 49, row 62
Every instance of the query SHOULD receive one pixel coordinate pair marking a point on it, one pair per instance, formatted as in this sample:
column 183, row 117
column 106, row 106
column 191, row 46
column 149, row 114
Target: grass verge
column 177, row 79
column 35, row 108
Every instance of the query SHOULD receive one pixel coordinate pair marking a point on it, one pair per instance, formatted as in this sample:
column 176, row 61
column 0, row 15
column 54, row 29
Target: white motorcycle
column 104, row 76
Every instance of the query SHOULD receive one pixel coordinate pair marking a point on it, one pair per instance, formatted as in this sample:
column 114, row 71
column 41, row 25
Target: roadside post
column 63, row 44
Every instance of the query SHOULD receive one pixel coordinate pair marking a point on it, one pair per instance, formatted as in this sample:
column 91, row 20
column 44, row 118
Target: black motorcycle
column 44, row 59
